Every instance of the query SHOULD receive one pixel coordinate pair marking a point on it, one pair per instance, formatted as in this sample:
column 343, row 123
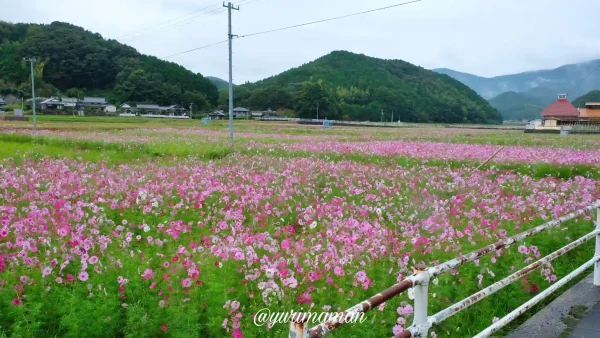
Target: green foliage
column 517, row 106
column 358, row 87
column 77, row 62
column 593, row 96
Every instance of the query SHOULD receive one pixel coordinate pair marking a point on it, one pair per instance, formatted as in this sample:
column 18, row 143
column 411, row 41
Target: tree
column 315, row 94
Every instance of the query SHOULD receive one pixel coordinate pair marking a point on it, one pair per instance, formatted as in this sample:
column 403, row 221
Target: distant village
column 100, row 106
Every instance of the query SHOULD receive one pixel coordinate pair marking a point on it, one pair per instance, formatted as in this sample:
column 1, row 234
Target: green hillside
column 350, row 86
column 76, row 62
column 220, row 83
column 517, row 106
column 593, row 96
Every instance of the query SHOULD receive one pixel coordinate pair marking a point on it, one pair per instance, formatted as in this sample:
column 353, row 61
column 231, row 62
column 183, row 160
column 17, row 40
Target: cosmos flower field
column 189, row 247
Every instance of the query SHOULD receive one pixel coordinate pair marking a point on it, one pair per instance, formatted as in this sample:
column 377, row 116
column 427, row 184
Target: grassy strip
column 26, row 145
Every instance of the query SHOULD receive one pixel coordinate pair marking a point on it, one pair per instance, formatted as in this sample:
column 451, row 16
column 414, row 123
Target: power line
column 196, row 18
column 330, row 19
column 179, row 24
column 585, row 78
column 194, row 49
column 171, row 20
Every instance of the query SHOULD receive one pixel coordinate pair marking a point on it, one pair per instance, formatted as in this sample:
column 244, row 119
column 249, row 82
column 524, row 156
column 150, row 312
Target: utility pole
column 317, row 111
column 229, row 8
column 392, row 120
column 382, row 115
column 31, row 61
column 191, row 105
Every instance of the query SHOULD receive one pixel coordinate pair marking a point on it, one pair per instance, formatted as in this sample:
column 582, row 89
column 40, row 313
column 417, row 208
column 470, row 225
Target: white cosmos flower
column 313, row 225
column 411, row 293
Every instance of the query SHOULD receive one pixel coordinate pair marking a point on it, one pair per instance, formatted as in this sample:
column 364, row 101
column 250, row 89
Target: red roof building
column 561, row 109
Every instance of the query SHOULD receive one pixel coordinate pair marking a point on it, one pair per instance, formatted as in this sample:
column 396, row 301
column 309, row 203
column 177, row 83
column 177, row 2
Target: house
column 240, row 112
column 126, row 107
column 52, row 103
column 148, row 108
column 256, row 115
column 263, row 114
column 217, row 115
column 2, row 102
column 591, row 112
column 561, row 112
column 70, row 102
column 89, row 102
column 270, row 113
column 110, row 108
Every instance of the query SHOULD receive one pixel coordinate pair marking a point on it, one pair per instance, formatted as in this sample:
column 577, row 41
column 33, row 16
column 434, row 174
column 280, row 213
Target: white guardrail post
column 421, row 301
column 597, row 253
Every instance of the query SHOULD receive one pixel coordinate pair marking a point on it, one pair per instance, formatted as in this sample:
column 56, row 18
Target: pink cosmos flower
column 148, row 274
column 83, row 276
column 46, row 272
column 93, row 260
column 397, row 329
column 338, row 270
column 16, row 302
column 186, row 283
column 237, row 333
column 524, row 250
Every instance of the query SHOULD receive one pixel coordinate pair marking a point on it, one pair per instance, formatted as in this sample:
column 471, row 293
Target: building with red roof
column 561, row 112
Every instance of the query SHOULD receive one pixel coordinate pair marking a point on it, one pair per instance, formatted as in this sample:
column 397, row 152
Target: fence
column 396, row 124
column 422, row 322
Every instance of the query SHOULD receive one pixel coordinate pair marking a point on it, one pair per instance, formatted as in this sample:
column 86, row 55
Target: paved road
column 588, row 326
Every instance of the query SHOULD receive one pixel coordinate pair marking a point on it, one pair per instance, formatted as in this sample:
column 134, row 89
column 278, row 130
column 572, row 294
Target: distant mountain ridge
column 345, row 85
column 552, row 81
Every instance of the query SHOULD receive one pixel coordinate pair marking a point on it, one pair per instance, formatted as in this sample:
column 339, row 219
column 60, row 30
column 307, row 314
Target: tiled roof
column 147, row 106
column 561, row 108
column 99, row 100
column 241, row 109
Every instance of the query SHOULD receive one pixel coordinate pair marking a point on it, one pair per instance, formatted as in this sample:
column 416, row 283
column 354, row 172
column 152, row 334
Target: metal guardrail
column 396, row 124
column 422, row 322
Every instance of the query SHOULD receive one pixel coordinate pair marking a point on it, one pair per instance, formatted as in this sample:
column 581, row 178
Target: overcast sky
column 482, row 37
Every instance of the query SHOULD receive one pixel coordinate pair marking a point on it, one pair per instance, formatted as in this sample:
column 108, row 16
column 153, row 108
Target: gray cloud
column 483, row 37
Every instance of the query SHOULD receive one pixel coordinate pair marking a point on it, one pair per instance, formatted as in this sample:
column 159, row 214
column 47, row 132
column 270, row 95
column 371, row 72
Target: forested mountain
column 76, row 62
column 220, row 83
column 593, row 96
column 576, row 78
column 350, row 86
column 517, row 106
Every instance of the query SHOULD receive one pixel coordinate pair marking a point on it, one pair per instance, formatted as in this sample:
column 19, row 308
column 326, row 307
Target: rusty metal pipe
column 378, row 299
column 490, row 290
column 533, row 301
